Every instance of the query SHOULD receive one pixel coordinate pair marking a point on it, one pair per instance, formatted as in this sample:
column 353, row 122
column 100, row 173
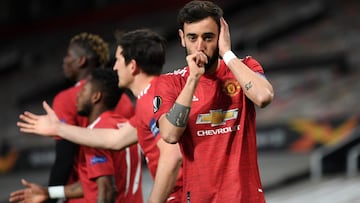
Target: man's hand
column 224, row 38
column 32, row 193
column 196, row 63
column 45, row 125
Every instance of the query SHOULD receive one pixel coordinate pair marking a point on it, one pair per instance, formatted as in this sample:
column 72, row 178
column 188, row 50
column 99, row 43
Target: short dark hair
column 146, row 47
column 106, row 81
column 195, row 11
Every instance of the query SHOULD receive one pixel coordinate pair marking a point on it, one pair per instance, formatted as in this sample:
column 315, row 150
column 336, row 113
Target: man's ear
column 96, row 97
column 81, row 61
column 134, row 67
column 182, row 37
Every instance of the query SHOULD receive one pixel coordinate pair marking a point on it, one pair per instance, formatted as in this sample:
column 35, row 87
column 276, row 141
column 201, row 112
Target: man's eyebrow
column 208, row 34
column 190, row 34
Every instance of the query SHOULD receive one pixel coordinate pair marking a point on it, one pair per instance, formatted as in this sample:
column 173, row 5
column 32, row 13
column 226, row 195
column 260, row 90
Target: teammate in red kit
column 85, row 52
column 97, row 167
column 140, row 56
column 208, row 107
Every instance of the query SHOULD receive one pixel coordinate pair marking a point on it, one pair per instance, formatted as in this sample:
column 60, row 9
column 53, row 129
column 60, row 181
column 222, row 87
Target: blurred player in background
column 98, row 168
column 85, row 52
column 140, row 56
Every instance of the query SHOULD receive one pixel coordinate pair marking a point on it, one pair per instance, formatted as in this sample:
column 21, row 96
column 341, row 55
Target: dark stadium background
column 307, row 138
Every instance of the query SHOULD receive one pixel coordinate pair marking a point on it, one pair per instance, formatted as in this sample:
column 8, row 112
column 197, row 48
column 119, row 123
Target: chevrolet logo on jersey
column 217, row 117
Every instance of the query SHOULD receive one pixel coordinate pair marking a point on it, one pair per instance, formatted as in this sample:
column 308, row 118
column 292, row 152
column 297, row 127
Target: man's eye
column 192, row 38
column 208, row 38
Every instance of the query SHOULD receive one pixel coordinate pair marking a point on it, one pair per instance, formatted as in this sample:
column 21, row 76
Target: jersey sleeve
column 253, row 64
column 65, row 108
column 99, row 162
column 166, row 93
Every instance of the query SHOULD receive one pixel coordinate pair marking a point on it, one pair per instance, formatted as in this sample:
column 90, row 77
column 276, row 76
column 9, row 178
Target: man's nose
column 200, row 45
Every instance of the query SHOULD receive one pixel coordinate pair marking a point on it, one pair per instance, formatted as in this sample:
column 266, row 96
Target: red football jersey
column 219, row 144
column 124, row 165
column 148, row 135
column 125, row 107
column 64, row 105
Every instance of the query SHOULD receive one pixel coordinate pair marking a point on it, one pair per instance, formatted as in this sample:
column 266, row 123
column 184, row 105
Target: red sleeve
column 253, row 64
column 64, row 105
column 166, row 93
column 99, row 162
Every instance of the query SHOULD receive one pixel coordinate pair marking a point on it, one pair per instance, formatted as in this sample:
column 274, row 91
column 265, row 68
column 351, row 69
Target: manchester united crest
column 231, row 87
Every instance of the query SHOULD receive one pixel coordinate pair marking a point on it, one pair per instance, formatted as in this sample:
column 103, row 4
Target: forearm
column 186, row 95
column 74, row 190
column 256, row 87
column 115, row 139
column 106, row 190
column 64, row 162
column 173, row 124
column 167, row 172
column 64, row 192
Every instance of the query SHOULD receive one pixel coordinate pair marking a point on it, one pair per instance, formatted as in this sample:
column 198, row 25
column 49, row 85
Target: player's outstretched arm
column 49, row 125
column 32, row 192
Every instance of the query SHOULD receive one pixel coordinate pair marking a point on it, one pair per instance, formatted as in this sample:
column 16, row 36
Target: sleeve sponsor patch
column 98, row 159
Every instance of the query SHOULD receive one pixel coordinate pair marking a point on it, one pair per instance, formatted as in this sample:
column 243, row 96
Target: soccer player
column 97, row 167
column 208, row 108
column 86, row 51
column 140, row 56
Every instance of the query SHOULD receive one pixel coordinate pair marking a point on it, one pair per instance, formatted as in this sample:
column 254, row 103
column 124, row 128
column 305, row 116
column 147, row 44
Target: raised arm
column 173, row 123
column 49, row 125
column 256, row 87
column 115, row 139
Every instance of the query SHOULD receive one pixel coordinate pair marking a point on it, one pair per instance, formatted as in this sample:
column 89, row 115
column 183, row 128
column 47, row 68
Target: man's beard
column 211, row 60
column 85, row 111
